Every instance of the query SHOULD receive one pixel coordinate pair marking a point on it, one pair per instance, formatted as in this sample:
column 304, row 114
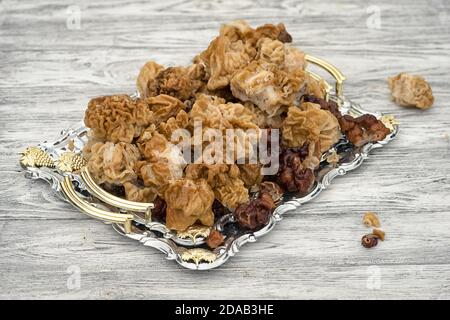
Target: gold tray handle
column 335, row 72
column 85, row 207
column 108, row 198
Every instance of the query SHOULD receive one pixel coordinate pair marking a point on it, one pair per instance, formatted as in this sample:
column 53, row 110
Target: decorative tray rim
column 162, row 239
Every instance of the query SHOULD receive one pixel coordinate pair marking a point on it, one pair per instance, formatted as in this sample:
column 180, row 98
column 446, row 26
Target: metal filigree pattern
column 194, row 232
column 389, row 121
column 198, row 255
column 36, row 157
column 70, row 161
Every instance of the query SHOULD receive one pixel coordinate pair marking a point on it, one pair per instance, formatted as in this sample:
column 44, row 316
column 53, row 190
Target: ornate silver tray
column 59, row 162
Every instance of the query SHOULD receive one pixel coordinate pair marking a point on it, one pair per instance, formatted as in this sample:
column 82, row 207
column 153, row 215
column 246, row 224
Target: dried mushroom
column 380, row 234
column 162, row 161
column 215, row 174
column 309, row 124
column 117, row 118
column 188, row 201
column 135, row 192
column 271, row 31
column 177, row 82
column 224, row 180
column 147, row 75
column 113, row 163
column 164, row 169
column 285, row 56
column 370, row 219
column 214, row 117
column 250, row 174
column 226, row 54
column 268, row 86
column 298, row 128
column 232, row 193
column 169, row 127
column 411, row 91
column 164, row 107
column 214, row 112
column 233, row 49
column 262, row 119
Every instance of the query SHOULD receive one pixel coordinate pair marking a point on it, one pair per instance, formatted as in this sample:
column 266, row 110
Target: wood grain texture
column 48, row 73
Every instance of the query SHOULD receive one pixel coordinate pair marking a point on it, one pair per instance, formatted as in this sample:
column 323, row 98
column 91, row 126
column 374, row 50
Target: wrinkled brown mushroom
column 411, row 91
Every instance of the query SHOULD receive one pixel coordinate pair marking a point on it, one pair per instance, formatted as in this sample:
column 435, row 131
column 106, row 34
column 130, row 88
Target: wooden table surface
column 51, row 65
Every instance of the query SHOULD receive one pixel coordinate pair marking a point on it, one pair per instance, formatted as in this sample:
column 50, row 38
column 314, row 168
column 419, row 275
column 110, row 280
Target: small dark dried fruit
column 116, row 190
column 218, row 209
column 325, row 105
column 369, row 240
column 304, row 179
column 214, row 239
column 159, row 210
column 256, row 213
column 292, row 176
column 366, row 128
column 284, row 37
